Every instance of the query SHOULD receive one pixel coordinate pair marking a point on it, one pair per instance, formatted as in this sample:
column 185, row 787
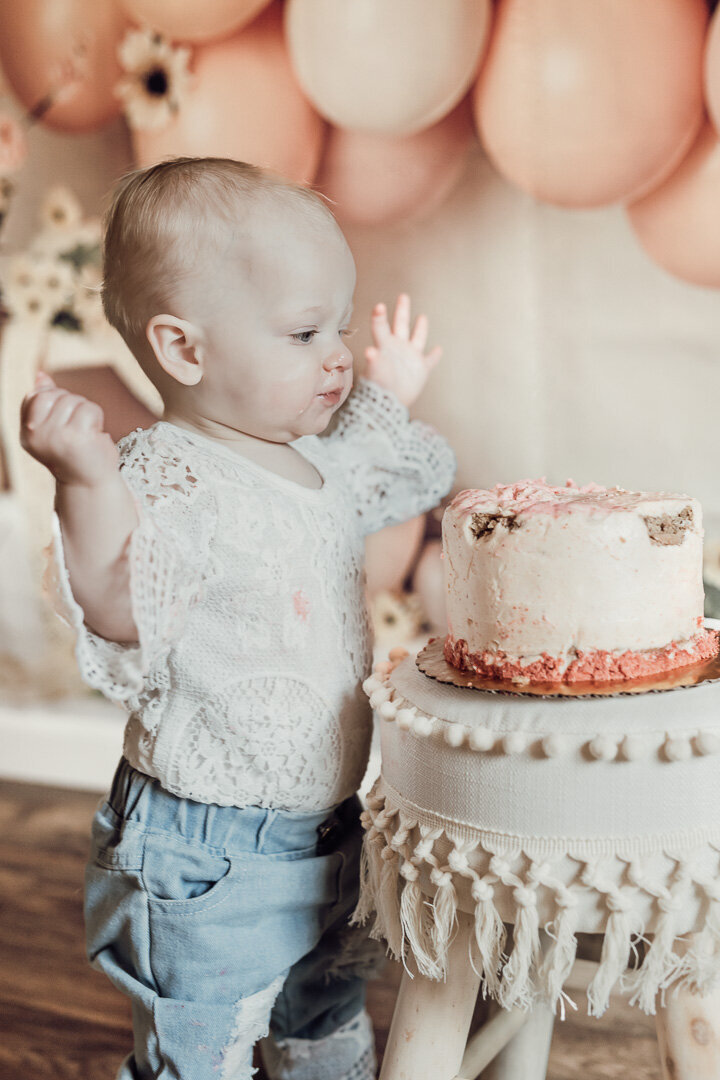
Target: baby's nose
column 340, row 359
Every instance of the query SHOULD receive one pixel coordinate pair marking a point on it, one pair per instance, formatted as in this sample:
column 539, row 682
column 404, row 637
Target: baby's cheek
column 290, row 389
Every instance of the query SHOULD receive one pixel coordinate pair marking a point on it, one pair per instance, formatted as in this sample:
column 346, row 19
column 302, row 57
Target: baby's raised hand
column 397, row 360
column 65, row 433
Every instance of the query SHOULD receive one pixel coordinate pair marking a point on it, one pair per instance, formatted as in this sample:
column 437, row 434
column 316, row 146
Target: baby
column 212, row 568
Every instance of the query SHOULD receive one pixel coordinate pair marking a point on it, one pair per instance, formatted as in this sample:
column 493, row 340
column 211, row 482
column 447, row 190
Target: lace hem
column 397, row 467
column 161, row 593
column 114, row 668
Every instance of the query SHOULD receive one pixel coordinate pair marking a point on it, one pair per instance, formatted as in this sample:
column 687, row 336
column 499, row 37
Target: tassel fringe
column 411, row 873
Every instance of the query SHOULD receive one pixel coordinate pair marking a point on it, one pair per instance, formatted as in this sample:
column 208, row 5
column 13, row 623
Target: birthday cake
column 573, row 584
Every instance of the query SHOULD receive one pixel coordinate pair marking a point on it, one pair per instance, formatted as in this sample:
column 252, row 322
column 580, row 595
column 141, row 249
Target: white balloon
column 390, row 67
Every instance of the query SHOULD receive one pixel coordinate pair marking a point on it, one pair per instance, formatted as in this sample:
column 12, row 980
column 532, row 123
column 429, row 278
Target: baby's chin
column 316, row 418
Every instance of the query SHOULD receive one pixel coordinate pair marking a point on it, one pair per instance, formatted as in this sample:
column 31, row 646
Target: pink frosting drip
column 592, row 666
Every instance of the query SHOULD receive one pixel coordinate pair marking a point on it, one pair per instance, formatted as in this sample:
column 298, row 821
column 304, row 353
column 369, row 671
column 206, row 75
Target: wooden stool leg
column 431, row 1021
column 688, row 1031
column 526, row 1055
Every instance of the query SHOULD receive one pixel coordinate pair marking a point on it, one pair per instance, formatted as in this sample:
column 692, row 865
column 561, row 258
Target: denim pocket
column 181, row 873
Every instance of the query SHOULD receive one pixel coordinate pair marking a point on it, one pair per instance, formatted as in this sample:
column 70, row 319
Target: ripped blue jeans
column 226, row 926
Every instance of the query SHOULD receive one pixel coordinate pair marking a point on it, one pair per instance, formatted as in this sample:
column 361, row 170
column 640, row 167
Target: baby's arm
column 96, row 509
column 396, row 467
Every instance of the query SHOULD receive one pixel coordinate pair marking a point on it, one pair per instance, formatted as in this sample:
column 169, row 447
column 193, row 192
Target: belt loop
column 265, row 825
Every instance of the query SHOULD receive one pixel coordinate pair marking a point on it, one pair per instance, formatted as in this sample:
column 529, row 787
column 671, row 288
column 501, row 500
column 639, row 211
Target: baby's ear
column 176, row 344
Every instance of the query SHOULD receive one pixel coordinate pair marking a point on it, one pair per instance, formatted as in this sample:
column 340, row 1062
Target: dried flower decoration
column 396, row 617
column 60, row 210
column 38, row 288
column 156, row 79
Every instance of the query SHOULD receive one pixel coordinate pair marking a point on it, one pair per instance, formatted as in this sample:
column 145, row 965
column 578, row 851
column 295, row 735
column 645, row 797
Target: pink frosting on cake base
column 592, row 666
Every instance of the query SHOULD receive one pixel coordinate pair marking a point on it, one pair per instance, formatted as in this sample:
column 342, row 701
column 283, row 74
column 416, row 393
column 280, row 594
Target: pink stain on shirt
column 301, row 605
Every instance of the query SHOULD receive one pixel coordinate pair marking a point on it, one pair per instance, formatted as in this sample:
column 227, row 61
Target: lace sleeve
column 169, row 558
column 396, row 467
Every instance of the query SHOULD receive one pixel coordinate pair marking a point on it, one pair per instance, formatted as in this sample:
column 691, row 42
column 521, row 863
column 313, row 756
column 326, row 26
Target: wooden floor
column 60, row 1019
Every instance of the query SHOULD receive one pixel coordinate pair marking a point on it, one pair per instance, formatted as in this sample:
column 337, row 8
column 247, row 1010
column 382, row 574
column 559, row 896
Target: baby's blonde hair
column 162, row 217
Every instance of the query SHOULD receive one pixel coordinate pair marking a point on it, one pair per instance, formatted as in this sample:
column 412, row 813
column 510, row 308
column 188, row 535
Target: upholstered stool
column 557, row 818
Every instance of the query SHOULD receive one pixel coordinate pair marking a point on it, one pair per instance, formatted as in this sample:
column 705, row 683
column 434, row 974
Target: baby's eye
column 304, row 336
column 346, row 333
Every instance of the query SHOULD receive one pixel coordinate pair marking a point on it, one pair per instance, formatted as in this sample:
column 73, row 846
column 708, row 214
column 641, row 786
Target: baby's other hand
column 64, row 432
column 397, row 360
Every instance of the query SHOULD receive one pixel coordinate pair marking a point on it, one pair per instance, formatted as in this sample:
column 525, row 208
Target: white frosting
column 576, row 570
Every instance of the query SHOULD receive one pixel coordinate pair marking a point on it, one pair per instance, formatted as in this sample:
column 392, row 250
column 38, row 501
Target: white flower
column 54, row 242
column 60, row 210
column 156, row 79
column 37, row 288
column 396, row 616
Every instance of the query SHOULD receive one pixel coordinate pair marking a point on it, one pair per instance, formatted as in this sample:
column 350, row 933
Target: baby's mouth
column 333, row 397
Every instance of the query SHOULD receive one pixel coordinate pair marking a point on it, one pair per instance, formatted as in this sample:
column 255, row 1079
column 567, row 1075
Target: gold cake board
column 431, row 662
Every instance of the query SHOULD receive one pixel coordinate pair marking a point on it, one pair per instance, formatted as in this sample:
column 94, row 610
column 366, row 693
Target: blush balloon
column 245, row 103
column 41, row 41
column 189, row 20
column 429, row 583
column 678, row 224
column 390, row 553
column 586, row 104
column 373, row 179
column 386, row 68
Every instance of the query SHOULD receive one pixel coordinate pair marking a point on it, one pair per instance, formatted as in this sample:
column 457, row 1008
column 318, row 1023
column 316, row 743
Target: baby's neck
column 278, row 457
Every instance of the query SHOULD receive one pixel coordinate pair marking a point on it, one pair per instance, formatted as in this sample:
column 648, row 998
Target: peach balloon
column 189, row 20
column 386, row 68
column 429, row 583
column 72, row 43
column 390, row 553
column 374, row 179
column 678, row 224
column 244, row 103
column 586, row 104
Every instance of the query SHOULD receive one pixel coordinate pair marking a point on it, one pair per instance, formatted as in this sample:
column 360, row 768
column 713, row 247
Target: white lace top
column 248, row 593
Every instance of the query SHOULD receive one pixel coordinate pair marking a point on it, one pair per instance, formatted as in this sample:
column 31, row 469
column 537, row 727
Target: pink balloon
column 375, row 178
column 390, row 553
column 245, row 104
column 678, row 224
column 191, row 20
column 72, row 43
column 429, row 583
column 585, row 104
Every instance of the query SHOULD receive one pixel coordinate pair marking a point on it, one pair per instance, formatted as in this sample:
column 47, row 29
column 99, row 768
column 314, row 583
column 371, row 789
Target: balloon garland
column 581, row 105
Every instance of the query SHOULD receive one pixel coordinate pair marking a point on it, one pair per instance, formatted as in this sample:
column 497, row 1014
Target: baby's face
column 275, row 326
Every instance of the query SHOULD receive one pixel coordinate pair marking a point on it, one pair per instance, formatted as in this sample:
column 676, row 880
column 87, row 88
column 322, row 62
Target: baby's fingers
column 401, row 322
column 37, row 404
column 89, row 417
column 379, row 325
column 420, row 333
column 63, row 409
